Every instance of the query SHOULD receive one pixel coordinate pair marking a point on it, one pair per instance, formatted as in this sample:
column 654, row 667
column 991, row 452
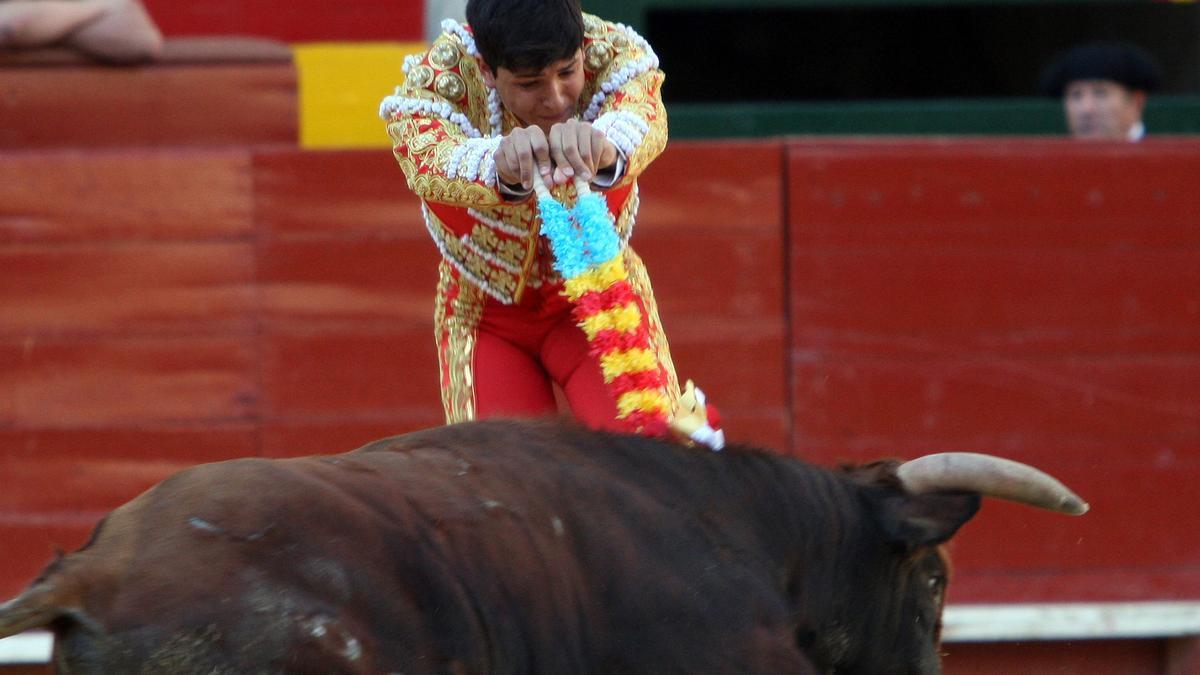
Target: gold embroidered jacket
column 445, row 124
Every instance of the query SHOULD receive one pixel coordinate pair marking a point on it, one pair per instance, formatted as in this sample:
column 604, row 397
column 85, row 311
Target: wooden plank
column 362, row 375
column 299, row 437
column 117, row 382
column 1025, row 192
column 1019, row 622
column 27, row 653
column 190, row 444
column 901, row 302
column 1000, row 401
column 710, row 231
column 698, row 188
column 1034, row 299
column 1131, row 524
column 53, row 196
column 176, row 105
column 79, row 485
column 297, row 196
column 21, row 654
column 1054, row 584
column 135, row 288
column 1085, row 657
column 753, row 408
column 304, row 20
column 330, row 284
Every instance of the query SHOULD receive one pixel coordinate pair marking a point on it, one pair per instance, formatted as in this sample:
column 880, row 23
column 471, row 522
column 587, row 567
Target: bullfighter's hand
column 578, row 148
column 523, row 151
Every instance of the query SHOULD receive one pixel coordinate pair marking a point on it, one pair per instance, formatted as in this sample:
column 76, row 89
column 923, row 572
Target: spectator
column 120, row 31
column 1103, row 87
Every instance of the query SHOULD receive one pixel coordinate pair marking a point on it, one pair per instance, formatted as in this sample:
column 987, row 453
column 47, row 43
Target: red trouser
column 522, row 350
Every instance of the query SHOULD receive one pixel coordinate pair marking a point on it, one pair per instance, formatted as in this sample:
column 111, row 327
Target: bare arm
column 113, row 30
column 125, row 32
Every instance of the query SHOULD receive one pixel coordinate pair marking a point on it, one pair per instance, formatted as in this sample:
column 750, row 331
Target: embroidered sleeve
column 434, row 122
column 626, row 103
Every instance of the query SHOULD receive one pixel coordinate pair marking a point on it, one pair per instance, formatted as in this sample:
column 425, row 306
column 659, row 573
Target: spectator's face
column 543, row 98
column 1101, row 109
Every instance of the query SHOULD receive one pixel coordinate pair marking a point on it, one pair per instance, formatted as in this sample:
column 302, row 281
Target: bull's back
column 485, row 548
column 241, row 566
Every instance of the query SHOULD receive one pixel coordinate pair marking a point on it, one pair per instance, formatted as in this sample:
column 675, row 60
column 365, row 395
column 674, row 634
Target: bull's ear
column 912, row 520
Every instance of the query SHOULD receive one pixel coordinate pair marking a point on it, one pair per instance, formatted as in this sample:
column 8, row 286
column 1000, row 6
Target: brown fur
column 505, row 547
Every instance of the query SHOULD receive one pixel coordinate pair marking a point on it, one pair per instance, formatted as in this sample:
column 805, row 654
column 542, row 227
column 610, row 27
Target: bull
column 523, row 547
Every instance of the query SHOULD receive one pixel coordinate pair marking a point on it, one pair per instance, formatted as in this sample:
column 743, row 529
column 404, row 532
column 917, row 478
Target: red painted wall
column 1036, row 299
column 839, row 300
column 293, row 21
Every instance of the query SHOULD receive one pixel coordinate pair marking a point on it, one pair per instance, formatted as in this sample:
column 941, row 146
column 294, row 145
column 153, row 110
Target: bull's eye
column 936, row 587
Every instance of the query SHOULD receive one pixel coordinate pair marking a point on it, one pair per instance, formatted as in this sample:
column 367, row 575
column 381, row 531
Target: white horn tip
column 1074, row 506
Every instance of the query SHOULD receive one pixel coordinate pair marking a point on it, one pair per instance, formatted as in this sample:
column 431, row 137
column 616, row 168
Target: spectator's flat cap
column 1123, row 63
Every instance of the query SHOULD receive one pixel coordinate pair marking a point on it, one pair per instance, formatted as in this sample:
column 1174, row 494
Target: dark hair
column 1126, row 64
column 525, row 34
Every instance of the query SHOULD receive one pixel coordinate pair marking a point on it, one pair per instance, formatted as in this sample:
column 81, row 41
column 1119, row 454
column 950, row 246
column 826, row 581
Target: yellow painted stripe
column 619, row 363
column 641, row 400
column 341, row 85
column 625, row 319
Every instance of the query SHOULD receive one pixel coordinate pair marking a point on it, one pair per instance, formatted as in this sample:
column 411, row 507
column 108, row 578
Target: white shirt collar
column 1136, row 132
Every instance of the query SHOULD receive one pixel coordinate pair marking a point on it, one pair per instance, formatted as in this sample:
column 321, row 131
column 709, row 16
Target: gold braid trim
column 455, row 326
column 639, row 280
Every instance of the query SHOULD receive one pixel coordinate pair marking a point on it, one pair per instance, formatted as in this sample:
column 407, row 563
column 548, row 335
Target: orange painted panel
column 359, row 193
column 56, row 196
column 165, row 104
column 359, row 376
column 56, row 289
column 135, row 381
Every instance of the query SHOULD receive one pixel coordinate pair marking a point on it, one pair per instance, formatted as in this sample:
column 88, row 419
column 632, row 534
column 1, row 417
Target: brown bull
column 504, row 547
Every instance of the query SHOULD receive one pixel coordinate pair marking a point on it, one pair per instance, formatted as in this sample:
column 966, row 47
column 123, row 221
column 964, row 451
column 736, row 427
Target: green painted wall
column 1017, row 116
column 633, row 12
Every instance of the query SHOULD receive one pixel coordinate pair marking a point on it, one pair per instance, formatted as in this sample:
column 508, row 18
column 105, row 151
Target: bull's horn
column 989, row 476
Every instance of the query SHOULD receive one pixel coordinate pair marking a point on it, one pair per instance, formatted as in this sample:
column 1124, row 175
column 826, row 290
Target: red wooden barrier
column 1037, row 299
column 1040, row 300
column 296, row 21
column 710, row 231
column 201, row 92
